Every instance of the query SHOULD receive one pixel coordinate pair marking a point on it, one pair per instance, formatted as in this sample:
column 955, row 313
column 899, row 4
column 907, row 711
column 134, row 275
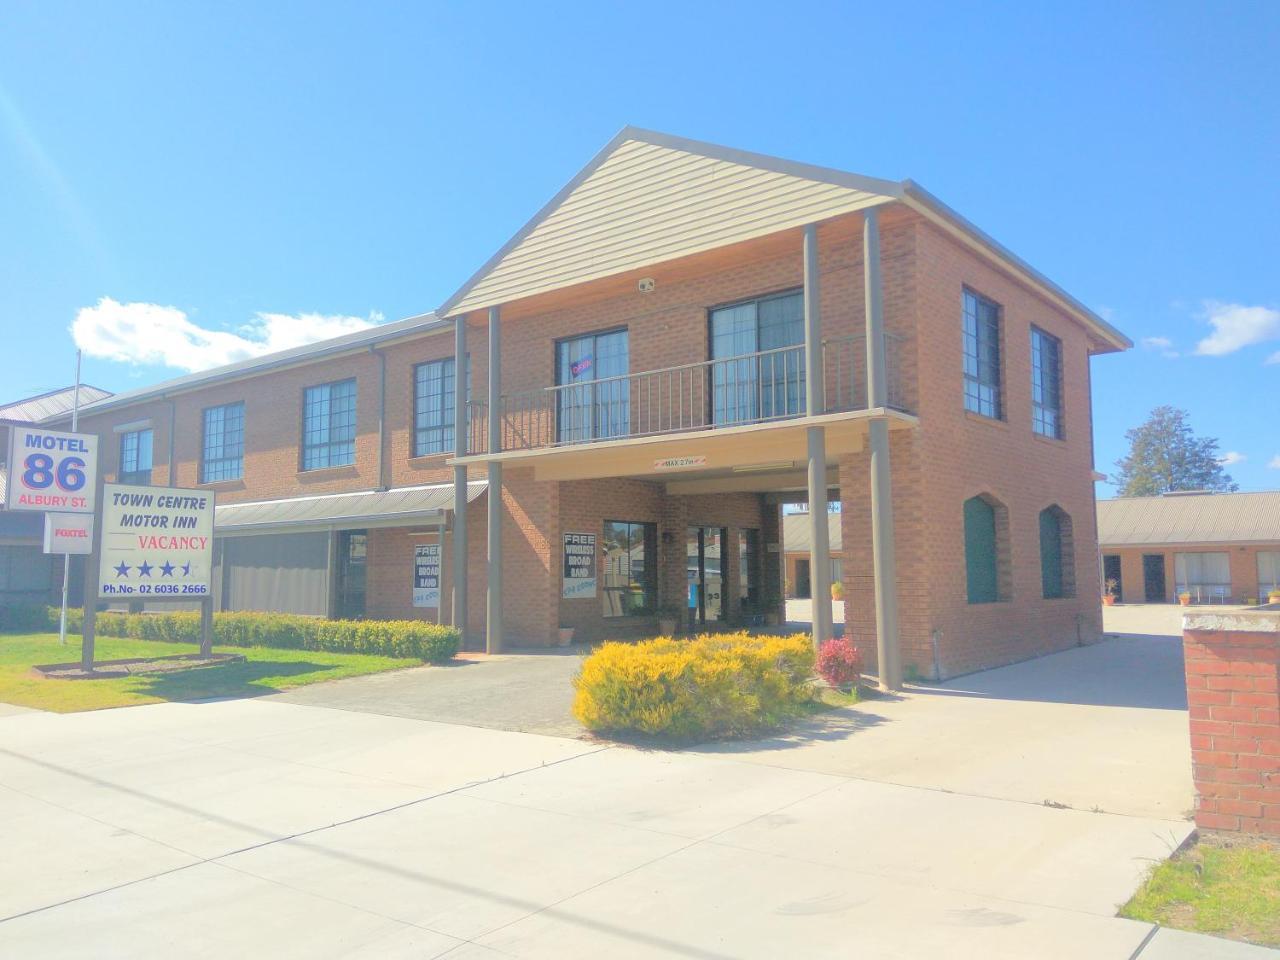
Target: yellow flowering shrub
column 706, row 687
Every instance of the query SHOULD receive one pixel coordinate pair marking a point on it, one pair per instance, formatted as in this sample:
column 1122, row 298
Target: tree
column 1165, row 455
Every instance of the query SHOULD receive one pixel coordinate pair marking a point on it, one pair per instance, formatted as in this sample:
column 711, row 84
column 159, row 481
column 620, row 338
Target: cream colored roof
column 795, row 533
column 650, row 197
column 1181, row 519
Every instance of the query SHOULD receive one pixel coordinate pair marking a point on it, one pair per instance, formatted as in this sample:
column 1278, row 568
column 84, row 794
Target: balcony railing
column 760, row 387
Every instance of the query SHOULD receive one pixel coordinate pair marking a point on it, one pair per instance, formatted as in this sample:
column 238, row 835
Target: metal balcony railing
column 760, row 387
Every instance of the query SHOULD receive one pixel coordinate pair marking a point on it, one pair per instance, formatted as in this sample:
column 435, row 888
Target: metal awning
column 342, row 511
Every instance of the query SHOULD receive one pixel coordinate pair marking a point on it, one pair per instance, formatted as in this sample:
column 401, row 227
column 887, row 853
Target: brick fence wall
column 1232, row 665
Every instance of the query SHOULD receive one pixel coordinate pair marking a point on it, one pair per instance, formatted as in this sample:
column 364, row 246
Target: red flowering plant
column 840, row 662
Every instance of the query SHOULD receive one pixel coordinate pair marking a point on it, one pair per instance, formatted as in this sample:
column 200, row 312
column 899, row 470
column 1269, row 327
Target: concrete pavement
column 905, row 828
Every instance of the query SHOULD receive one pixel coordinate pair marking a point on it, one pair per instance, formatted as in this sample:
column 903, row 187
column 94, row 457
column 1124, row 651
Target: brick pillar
column 673, row 580
column 1232, row 666
column 771, row 558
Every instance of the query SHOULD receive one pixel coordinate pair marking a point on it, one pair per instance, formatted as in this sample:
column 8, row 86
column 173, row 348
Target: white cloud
column 147, row 333
column 1235, row 326
column 1275, row 462
column 1162, row 344
column 1231, row 458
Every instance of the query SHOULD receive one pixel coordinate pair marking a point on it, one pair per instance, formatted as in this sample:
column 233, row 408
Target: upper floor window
column 135, row 457
column 433, row 406
column 593, row 399
column 982, row 356
column 759, row 346
column 1046, row 384
column 223, row 447
column 329, row 425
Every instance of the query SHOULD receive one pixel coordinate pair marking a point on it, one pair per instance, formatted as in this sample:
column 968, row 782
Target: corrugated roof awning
column 795, row 533
column 1190, row 518
column 342, row 511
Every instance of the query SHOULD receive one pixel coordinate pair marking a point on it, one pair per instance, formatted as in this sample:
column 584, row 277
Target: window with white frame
column 1203, row 575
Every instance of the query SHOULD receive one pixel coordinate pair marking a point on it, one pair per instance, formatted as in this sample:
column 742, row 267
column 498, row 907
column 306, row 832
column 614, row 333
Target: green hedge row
column 411, row 639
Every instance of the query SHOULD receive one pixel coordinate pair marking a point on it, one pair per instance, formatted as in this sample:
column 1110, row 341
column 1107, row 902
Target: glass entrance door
column 704, row 563
column 353, row 551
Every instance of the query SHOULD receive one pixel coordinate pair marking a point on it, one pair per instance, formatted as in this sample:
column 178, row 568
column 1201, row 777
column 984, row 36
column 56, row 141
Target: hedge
column 411, row 639
column 707, row 687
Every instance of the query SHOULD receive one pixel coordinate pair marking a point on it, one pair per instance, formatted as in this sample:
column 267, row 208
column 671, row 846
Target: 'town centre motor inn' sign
column 157, row 542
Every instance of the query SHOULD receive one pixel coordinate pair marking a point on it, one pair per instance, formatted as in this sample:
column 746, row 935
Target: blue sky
column 229, row 177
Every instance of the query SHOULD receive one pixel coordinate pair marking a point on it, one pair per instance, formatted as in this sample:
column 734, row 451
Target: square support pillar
column 493, row 641
column 819, row 546
column 461, row 442
column 888, row 655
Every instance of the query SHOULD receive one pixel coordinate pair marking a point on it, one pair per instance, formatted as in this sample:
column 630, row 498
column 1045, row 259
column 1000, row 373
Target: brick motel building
column 1217, row 547
column 605, row 421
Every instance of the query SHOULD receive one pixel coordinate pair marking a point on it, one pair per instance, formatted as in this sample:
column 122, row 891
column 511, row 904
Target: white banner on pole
column 70, row 533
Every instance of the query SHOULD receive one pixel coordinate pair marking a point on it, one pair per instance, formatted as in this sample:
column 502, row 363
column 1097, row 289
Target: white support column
column 461, row 438
column 819, row 545
column 493, row 596
column 888, row 656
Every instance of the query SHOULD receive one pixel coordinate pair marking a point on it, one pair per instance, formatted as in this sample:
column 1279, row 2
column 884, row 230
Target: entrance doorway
column 1153, row 578
column 1111, row 571
column 704, row 553
column 353, row 552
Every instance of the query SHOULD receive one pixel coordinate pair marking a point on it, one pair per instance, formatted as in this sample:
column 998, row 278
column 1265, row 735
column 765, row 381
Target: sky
column 188, row 184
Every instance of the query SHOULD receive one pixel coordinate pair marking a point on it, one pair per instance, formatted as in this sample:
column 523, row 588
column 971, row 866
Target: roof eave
column 923, row 202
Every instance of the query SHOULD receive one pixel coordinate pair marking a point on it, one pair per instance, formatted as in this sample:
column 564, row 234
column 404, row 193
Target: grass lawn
column 265, row 670
column 1231, row 889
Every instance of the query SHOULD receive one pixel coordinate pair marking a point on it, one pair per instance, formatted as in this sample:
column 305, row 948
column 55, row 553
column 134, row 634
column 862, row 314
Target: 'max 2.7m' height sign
column 157, row 543
column 51, row 471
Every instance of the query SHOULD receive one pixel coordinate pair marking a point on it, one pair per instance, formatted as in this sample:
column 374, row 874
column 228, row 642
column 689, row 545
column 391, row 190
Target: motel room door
column 353, row 548
column 1153, row 578
column 704, row 552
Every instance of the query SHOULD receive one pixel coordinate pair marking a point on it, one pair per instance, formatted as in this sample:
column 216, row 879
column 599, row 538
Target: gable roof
column 1190, row 518
column 650, row 197
column 51, row 404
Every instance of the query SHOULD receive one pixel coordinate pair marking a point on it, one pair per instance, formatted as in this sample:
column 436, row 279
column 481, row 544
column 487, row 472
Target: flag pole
column 66, row 557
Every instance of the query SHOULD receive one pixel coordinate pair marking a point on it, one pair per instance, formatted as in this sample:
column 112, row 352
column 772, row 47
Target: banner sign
column 68, row 533
column 579, row 576
column 157, row 542
column 426, row 575
column 49, row 470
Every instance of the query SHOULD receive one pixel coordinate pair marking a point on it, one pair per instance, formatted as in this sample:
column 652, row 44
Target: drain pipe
column 935, row 637
column 382, row 417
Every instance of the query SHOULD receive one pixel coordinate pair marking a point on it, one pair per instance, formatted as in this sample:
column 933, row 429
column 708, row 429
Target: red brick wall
column 1232, row 664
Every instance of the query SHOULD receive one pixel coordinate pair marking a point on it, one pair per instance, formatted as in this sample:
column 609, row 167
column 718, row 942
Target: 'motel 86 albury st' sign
column 157, row 542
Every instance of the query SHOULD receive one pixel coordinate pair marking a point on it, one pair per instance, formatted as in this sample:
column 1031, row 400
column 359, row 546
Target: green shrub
column 26, row 617
column 411, row 639
column 711, row 686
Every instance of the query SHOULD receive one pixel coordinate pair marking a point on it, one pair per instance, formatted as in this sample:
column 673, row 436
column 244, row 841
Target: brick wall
column 1232, row 665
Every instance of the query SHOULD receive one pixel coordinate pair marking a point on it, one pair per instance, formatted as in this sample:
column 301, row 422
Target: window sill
column 1052, row 441
column 236, row 484
column 989, row 421
column 424, row 459
column 321, row 473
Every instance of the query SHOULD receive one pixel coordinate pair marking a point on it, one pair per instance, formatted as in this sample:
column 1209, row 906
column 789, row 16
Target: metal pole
column 66, row 557
column 819, row 543
column 882, row 539
column 493, row 595
column 461, row 442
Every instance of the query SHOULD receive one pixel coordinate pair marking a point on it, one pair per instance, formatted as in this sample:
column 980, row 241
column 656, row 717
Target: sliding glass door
column 593, row 395
column 757, row 346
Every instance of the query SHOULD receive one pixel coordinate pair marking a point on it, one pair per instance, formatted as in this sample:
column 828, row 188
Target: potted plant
column 1109, row 593
column 1184, row 598
column 669, row 616
column 837, row 590
column 773, row 612
column 565, row 636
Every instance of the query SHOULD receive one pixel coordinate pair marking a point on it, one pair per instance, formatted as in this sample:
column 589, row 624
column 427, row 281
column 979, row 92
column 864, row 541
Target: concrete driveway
column 268, row 827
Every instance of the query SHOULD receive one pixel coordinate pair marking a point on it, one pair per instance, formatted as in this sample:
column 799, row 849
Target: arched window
column 986, row 560
column 1057, row 553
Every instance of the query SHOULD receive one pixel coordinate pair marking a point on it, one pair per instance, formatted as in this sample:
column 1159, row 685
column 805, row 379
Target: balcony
column 751, row 389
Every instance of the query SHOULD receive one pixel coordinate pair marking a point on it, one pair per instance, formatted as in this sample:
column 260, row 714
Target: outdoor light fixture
column 765, row 467
column 646, row 284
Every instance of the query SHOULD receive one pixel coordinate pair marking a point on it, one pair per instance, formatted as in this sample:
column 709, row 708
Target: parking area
column 1005, row 815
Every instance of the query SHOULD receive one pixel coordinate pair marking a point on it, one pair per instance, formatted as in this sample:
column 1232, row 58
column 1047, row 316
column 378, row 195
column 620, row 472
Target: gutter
column 382, row 418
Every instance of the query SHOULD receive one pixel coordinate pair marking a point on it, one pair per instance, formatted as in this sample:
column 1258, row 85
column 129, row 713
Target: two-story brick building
column 684, row 338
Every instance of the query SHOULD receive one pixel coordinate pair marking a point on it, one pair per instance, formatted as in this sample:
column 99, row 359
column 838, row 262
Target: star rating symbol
column 166, row 569
column 186, row 569
column 144, row 569
column 122, row 569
